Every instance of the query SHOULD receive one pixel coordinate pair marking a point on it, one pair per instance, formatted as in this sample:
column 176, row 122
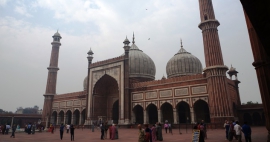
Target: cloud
column 22, row 10
column 3, row 2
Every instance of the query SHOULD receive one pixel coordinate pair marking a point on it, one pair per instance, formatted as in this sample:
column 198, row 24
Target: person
column 227, row 128
column 204, row 130
column 67, row 127
column 201, row 128
column 153, row 133
column 93, row 127
column 7, row 128
column 72, row 132
column 105, row 129
column 116, row 132
column 3, row 128
column 61, row 130
column 247, row 132
column 13, row 130
column 159, row 132
column 147, row 136
column 170, row 128
column 110, row 131
column 29, row 128
column 52, row 128
column 141, row 134
column 231, row 131
column 166, row 127
column 102, row 131
column 34, row 128
column 238, row 129
column 113, row 132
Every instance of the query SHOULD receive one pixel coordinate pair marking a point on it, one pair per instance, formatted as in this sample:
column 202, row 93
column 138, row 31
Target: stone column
column 192, row 115
column 65, row 119
column 72, row 119
column 159, row 115
column 57, row 119
column 144, row 117
column 175, row 116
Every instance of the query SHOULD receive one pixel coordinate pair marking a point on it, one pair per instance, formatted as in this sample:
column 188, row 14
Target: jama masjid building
column 123, row 89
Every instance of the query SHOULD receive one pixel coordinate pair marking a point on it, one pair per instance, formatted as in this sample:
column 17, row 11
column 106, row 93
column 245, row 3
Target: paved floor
column 259, row 134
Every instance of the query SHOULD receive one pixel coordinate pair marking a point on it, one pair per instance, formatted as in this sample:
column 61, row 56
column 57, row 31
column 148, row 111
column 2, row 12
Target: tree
column 250, row 103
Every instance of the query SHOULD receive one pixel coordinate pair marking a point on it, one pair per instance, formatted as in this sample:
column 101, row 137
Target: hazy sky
column 26, row 29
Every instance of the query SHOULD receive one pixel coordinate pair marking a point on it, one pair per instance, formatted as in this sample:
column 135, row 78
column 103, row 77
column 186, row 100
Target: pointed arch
column 167, row 112
column 61, row 117
column 138, row 113
column 152, row 113
column 76, row 117
column 54, row 117
column 68, row 117
column 201, row 110
column 183, row 110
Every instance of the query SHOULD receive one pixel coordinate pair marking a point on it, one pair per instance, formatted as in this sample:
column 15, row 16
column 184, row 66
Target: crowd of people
column 152, row 134
column 147, row 133
column 234, row 130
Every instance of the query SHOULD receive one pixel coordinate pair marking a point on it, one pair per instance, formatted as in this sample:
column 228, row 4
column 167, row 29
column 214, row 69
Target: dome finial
column 133, row 39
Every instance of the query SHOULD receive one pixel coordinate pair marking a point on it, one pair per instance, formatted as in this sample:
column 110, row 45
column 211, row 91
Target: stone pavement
column 259, row 134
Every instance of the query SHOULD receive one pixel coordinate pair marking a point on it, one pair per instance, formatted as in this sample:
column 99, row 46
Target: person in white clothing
column 67, row 127
column 238, row 130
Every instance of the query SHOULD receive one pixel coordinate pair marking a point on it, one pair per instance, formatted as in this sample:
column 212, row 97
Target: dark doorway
column 167, row 112
column 61, row 115
column 76, row 117
column 83, row 117
column 138, row 112
column 183, row 112
column 152, row 114
column 257, row 118
column 54, row 117
column 201, row 111
column 115, row 112
column 68, row 115
column 248, row 118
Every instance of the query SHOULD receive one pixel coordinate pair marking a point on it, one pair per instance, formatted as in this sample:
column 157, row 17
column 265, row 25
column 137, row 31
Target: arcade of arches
column 76, row 117
column 106, row 99
column 181, row 114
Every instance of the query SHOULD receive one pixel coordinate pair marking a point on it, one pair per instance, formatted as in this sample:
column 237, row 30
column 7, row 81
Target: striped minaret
column 51, row 80
column 220, row 106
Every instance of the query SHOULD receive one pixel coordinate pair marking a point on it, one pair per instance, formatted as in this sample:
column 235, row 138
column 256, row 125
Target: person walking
column 116, row 132
column 105, row 129
column 72, row 132
column 238, row 130
column 159, row 132
column 67, row 127
column 227, row 128
column 204, row 130
column 13, row 130
column 247, row 132
column 61, row 131
column 7, row 128
column 34, row 128
column 153, row 133
column 141, row 134
column 102, row 131
column 166, row 127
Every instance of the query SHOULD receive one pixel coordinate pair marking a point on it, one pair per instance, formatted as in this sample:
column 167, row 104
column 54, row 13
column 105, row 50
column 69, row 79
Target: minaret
column 51, row 80
column 219, row 104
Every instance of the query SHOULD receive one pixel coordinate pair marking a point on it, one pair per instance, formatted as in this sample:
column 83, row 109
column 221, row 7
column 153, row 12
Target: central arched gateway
column 167, row 112
column 106, row 99
column 152, row 114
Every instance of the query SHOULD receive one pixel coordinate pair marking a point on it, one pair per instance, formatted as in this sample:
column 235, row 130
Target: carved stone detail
column 199, row 90
column 150, row 95
column 138, row 96
column 69, row 103
column 165, row 93
column 55, row 104
column 181, row 92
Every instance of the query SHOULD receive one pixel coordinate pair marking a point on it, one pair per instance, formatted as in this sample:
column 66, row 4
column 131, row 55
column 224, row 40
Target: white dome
column 183, row 63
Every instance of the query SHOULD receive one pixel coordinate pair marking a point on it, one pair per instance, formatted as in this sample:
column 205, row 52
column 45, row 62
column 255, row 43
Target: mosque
column 123, row 89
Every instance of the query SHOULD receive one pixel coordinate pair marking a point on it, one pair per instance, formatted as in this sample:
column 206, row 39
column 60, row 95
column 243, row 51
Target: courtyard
column 259, row 134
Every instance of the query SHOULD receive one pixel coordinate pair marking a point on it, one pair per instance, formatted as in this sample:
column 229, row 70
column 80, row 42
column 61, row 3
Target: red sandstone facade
column 112, row 95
